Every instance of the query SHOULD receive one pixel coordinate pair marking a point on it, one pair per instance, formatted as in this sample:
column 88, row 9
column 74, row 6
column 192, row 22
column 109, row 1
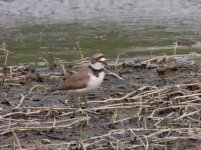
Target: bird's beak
column 103, row 61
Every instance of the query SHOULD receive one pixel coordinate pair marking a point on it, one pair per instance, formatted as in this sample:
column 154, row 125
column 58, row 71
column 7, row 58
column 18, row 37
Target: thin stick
column 36, row 86
column 21, row 101
column 6, row 58
column 17, row 140
column 114, row 74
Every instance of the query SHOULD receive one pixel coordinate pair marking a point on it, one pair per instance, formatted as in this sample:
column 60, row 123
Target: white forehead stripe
column 102, row 59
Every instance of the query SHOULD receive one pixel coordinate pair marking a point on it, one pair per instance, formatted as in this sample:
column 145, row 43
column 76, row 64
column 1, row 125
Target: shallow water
column 136, row 28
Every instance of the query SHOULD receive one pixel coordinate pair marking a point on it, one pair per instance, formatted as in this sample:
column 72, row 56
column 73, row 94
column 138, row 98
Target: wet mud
column 156, row 106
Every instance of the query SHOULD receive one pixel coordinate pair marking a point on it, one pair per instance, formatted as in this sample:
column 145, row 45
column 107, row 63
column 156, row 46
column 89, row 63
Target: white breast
column 95, row 82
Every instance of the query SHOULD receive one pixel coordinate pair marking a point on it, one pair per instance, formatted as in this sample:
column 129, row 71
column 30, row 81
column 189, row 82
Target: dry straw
column 146, row 117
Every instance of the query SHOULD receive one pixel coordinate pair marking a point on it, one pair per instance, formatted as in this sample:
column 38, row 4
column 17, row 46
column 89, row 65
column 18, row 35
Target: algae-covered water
column 35, row 29
column 30, row 42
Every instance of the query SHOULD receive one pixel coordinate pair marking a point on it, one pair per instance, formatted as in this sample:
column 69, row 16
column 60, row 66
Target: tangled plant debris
column 156, row 106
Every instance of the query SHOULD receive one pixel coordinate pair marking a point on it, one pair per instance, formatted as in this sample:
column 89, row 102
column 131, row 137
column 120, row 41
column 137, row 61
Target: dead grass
column 146, row 117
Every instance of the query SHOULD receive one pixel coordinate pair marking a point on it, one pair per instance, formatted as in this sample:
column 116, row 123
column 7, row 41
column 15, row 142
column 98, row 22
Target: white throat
column 97, row 65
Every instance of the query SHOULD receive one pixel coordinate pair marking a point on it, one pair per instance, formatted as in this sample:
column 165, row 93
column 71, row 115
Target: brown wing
column 77, row 81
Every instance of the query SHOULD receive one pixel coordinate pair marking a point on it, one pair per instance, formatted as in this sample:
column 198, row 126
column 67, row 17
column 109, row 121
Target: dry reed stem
column 6, row 58
column 114, row 74
column 25, row 128
column 21, row 101
column 17, row 139
column 145, row 118
column 36, row 86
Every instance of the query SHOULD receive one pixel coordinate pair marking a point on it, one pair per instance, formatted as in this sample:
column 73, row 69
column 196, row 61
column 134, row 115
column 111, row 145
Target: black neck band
column 96, row 71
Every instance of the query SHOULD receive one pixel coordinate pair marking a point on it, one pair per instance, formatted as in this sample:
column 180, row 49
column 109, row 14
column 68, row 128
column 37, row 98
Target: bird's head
column 98, row 61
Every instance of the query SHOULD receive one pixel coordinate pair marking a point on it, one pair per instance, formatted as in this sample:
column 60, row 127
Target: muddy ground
column 156, row 106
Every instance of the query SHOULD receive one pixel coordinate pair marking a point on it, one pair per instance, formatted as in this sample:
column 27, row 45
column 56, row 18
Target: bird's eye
column 100, row 57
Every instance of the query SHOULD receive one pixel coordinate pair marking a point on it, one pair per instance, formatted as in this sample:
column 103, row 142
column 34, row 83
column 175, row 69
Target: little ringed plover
column 86, row 80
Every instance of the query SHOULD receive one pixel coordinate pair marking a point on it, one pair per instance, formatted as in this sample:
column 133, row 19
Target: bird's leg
column 98, row 104
column 85, row 101
column 80, row 105
column 79, row 100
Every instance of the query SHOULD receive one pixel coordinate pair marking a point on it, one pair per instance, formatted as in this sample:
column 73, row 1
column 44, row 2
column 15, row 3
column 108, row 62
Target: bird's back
column 77, row 81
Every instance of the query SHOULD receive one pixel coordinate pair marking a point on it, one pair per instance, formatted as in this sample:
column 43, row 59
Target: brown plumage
column 77, row 81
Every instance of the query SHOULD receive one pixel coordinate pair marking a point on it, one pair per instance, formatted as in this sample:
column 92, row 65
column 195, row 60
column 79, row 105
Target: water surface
column 137, row 28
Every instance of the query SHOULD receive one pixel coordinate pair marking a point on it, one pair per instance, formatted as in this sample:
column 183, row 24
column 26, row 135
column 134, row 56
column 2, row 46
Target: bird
column 86, row 80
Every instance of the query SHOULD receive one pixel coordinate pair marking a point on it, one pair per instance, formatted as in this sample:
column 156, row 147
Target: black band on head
column 102, row 56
